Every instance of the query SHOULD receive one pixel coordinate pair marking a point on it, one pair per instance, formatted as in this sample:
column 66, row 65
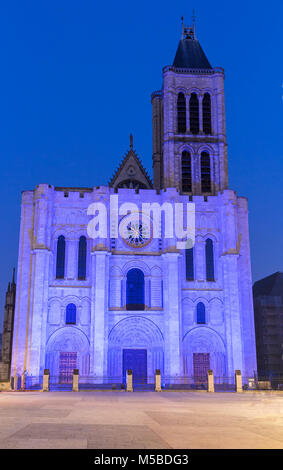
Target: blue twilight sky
column 76, row 79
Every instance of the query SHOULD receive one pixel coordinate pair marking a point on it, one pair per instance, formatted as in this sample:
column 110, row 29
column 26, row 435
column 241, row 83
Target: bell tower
column 188, row 119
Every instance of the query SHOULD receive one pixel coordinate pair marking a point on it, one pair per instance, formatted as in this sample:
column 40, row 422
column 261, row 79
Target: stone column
column 38, row 311
column 100, row 305
column 232, row 312
column 200, row 114
column 199, row 254
column 230, row 269
column 172, row 320
column 72, row 261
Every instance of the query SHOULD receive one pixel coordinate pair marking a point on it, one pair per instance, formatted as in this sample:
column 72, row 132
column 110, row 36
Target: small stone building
column 268, row 309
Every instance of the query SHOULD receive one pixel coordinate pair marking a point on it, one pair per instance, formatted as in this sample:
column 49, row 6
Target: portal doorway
column 201, row 363
column 135, row 360
column 67, row 364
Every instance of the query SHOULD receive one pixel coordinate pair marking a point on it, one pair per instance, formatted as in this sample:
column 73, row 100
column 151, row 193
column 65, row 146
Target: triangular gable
column 131, row 173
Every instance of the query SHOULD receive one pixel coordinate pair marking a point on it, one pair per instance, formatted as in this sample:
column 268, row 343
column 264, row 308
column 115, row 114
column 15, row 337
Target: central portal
column 67, row 364
column 136, row 360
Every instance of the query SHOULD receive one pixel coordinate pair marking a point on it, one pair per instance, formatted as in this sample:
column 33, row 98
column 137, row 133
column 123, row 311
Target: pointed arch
column 194, row 114
column 82, row 258
column 60, row 261
column 205, row 172
column 186, row 172
column 181, row 113
column 189, row 253
column 206, row 113
column 209, row 259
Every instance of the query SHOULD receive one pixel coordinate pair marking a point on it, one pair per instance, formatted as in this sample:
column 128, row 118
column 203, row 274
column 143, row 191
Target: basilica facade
column 107, row 304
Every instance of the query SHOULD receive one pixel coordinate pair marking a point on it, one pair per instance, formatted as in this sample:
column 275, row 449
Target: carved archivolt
column 137, row 331
column 69, row 339
column 203, row 339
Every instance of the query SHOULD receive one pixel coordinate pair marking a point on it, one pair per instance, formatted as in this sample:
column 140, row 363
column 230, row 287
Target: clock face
column 135, row 232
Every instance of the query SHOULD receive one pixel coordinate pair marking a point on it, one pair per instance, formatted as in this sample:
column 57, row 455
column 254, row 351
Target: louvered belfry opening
column 206, row 114
column 181, row 112
column 186, row 172
column 205, row 173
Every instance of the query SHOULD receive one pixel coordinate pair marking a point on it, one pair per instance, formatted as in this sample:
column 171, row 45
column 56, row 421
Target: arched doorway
column 67, row 349
column 135, row 343
column 203, row 349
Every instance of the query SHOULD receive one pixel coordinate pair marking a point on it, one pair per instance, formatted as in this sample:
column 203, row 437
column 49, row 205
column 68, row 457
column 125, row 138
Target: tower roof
column 190, row 54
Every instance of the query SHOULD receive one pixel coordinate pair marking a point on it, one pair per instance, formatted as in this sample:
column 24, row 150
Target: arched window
column 60, row 262
column 186, row 172
column 206, row 113
column 135, row 290
column 181, row 113
column 194, row 114
column 200, row 313
column 82, row 259
column 189, row 264
column 209, row 257
column 71, row 314
column 205, row 172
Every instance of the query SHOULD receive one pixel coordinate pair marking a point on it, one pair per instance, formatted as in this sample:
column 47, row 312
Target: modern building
column 137, row 301
column 7, row 335
column 268, row 309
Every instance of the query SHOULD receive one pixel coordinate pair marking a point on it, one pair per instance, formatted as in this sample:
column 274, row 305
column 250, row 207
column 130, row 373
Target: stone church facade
column 105, row 305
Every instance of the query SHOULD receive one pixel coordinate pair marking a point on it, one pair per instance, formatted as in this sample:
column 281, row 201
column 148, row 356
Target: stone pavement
column 141, row 420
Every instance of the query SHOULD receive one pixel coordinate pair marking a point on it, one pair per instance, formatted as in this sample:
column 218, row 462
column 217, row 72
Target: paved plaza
column 141, row 420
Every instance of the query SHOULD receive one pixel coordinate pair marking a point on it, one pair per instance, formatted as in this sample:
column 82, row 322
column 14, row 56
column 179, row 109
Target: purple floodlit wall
column 166, row 328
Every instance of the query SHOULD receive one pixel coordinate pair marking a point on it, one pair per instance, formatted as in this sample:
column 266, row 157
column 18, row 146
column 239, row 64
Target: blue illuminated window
column 200, row 313
column 209, row 257
column 60, row 262
column 206, row 113
column 181, row 112
column 135, row 290
column 205, row 172
column 82, row 259
column 71, row 314
column 189, row 264
column 186, row 172
column 194, row 114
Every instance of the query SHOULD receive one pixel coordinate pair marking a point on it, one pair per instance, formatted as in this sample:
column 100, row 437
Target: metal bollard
column 238, row 381
column 45, row 386
column 75, row 380
column 129, row 381
column 157, row 380
column 210, row 380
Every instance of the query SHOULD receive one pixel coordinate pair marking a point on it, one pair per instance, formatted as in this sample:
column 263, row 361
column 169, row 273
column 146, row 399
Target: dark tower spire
column 190, row 54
